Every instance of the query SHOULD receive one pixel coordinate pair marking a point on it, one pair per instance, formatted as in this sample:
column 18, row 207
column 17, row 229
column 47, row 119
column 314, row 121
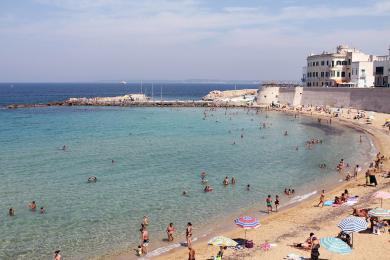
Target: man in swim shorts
column 269, row 204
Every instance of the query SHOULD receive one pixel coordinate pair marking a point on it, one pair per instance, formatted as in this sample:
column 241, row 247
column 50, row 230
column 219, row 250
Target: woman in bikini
column 170, row 231
column 189, row 234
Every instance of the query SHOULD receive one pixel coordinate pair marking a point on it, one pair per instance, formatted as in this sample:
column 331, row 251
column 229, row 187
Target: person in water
column 32, row 206
column 170, row 231
column 57, row 255
column 11, row 212
column 248, row 187
column 203, row 175
column 226, row 181
column 233, row 180
column 277, row 202
column 42, row 210
column 285, row 133
column 269, row 204
column 144, row 239
column 185, row 193
column 145, row 221
column 189, row 234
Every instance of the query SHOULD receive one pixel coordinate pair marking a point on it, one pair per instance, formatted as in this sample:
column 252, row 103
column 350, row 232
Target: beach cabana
column 335, row 245
column 353, row 224
column 382, row 195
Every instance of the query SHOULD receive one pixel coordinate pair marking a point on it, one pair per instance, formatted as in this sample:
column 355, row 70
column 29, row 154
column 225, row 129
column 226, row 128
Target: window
column 338, row 62
column 349, row 75
column 317, row 74
column 317, row 63
column 363, row 71
column 349, row 61
column 332, row 73
column 344, row 62
column 327, row 63
column 343, row 74
column 322, row 63
column 332, row 63
column 322, row 74
column 327, row 74
column 379, row 70
column 322, row 83
column 338, row 73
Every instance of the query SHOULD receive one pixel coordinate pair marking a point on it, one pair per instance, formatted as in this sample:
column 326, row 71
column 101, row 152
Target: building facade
column 382, row 71
column 347, row 67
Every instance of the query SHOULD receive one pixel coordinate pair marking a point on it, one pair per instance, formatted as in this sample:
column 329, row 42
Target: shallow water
column 158, row 153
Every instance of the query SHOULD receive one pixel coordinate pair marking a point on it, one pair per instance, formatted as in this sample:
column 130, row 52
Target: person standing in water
column 226, row 181
column 170, row 231
column 189, row 234
column 269, row 204
column 57, row 255
column 145, row 221
column 277, row 202
column 32, row 206
column 233, row 180
column 11, row 212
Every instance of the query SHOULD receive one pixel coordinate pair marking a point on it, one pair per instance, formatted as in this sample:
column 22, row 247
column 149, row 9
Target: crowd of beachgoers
column 313, row 243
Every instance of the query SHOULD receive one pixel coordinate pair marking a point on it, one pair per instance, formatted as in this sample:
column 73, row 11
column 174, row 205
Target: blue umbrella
column 335, row 245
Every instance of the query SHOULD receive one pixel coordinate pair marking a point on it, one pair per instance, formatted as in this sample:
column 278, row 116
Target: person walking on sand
column 269, row 204
column 356, row 171
column 170, row 231
column 191, row 253
column 322, row 198
column 276, row 203
column 189, row 234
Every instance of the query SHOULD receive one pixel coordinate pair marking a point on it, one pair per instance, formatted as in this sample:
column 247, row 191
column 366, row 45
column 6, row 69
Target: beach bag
column 249, row 244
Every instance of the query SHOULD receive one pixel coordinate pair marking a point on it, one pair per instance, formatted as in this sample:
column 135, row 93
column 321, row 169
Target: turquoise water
column 158, row 153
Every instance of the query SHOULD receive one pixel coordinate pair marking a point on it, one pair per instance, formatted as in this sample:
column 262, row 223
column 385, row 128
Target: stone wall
column 370, row 99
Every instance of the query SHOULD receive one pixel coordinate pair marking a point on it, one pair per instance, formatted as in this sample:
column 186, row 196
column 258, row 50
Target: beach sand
column 294, row 224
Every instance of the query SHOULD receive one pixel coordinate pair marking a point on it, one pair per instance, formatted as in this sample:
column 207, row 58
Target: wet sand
column 295, row 223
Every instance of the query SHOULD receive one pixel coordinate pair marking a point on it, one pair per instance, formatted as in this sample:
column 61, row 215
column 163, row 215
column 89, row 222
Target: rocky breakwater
column 232, row 97
column 108, row 101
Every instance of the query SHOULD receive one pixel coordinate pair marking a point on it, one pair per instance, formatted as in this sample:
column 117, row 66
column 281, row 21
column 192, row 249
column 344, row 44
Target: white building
column 382, row 71
column 347, row 67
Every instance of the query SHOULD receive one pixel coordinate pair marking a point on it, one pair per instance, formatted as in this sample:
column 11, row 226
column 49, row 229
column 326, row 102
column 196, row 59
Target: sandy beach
column 293, row 225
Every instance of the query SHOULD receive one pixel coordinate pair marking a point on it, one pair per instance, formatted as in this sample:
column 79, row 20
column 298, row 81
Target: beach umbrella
column 382, row 195
column 247, row 222
column 379, row 213
column 222, row 241
column 353, row 224
column 335, row 245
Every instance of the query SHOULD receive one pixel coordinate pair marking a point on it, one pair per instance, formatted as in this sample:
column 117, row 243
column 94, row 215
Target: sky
column 94, row 40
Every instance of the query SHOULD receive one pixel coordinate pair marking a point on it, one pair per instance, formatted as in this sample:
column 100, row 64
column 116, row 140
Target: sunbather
column 307, row 244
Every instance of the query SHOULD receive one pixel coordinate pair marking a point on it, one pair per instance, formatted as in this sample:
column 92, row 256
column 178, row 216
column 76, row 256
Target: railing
column 383, row 58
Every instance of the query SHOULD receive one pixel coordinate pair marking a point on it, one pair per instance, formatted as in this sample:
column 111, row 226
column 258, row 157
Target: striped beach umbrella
column 247, row 222
column 379, row 213
column 353, row 224
column 222, row 241
column 335, row 245
column 383, row 195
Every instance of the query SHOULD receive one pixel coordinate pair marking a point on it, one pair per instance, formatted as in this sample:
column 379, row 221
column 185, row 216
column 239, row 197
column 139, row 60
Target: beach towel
column 328, row 203
column 294, row 257
column 351, row 201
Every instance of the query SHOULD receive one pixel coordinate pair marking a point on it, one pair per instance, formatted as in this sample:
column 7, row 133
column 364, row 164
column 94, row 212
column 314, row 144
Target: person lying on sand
column 307, row 244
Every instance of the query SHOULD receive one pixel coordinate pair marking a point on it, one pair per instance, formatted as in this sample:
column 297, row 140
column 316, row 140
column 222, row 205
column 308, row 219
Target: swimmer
column 92, row 179
column 185, row 193
column 296, row 148
column 11, row 212
column 226, row 181
column 33, row 205
column 57, row 255
column 285, row 133
column 42, row 210
column 248, row 187
column 233, row 180
column 112, row 161
column 63, row 148
column 203, row 175
column 242, row 136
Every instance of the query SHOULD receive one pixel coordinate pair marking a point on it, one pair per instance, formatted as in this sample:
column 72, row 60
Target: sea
column 144, row 158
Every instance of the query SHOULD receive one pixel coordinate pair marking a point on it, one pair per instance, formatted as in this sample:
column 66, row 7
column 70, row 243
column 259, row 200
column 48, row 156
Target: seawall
column 369, row 99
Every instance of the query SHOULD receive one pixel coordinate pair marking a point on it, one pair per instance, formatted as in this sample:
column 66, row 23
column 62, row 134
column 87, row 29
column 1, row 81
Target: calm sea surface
column 158, row 153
